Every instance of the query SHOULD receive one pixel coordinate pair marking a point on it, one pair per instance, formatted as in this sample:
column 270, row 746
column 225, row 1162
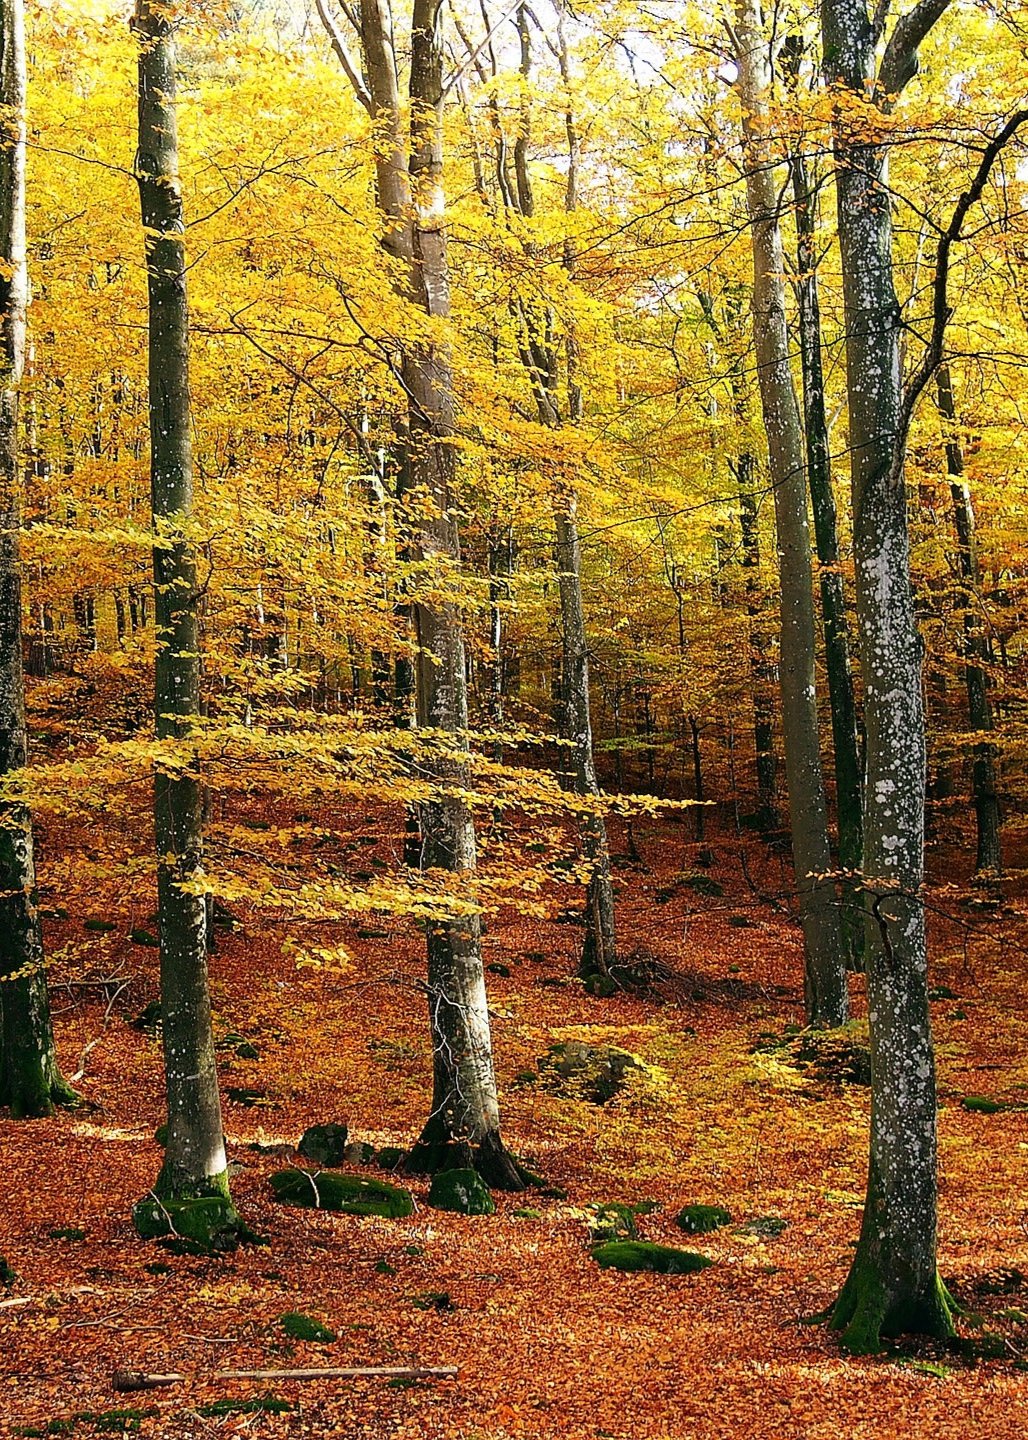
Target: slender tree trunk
column 194, row 1160
column 30, row 1083
column 761, row 667
column 825, row 973
column 894, row 1284
column 989, row 858
column 835, row 625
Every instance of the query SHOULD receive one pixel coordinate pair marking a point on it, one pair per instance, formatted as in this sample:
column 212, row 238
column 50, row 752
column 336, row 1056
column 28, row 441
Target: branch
column 899, row 63
column 344, row 57
column 941, row 310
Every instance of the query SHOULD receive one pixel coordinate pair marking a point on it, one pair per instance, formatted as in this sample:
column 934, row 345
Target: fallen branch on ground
column 127, row 1380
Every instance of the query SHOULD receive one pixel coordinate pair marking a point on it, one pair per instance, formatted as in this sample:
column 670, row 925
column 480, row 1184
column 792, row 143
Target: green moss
column 982, row 1105
column 67, row 1233
column 348, row 1194
column 461, row 1191
column 641, row 1255
column 145, row 937
column 99, row 927
column 7, row 1275
column 305, row 1327
column 201, row 1224
column 612, row 1220
column 433, row 1300
column 255, row 1405
column 702, row 1219
column 390, row 1157
column 865, row 1312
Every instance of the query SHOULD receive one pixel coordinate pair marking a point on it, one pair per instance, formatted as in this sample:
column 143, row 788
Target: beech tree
column 824, row 968
column 191, row 1195
column 463, row 1127
column 30, row 1082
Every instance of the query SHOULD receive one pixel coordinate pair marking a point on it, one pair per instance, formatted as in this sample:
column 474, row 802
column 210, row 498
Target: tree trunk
column 824, row 970
column 848, row 768
column 30, row 1082
column 894, row 1284
column 989, row 858
column 194, row 1160
column 464, row 1124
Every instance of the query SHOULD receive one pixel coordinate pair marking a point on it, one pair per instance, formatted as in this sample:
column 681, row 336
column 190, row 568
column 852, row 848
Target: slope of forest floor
column 547, row 1343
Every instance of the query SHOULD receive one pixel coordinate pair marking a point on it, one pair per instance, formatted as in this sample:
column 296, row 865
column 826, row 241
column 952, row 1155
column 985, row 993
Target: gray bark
column 835, row 624
column 988, row 857
column 464, row 1122
column 30, row 1083
column 194, row 1161
column 894, row 1284
column 824, row 968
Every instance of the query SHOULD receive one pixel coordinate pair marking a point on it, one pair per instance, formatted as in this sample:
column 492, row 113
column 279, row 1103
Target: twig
column 128, row 1380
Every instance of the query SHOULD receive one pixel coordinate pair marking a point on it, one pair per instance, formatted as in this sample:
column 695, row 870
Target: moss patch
column 462, row 1191
column 641, row 1255
column 982, row 1105
column 305, row 1327
column 203, row 1224
column 348, row 1194
column 702, row 1219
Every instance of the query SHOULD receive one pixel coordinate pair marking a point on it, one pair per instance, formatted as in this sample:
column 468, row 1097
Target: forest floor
column 547, row 1343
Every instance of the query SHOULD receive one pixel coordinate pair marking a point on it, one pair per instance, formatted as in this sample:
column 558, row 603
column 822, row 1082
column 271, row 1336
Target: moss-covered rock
column 702, row 1219
column 7, row 1275
column 390, row 1157
column 324, row 1144
column 462, row 1191
column 587, row 1072
column 612, row 1220
column 305, row 1327
column 348, row 1194
column 203, row 1224
column 642, row 1255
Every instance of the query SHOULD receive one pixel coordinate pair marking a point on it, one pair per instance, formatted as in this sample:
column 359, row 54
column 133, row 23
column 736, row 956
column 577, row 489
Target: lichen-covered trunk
column 989, row 856
column 30, row 1083
column 824, row 968
column 893, row 1284
column 834, row 621
column 194, row 1161
column 464, row 1124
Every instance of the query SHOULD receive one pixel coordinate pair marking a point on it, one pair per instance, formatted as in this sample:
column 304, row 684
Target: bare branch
column 346, row 60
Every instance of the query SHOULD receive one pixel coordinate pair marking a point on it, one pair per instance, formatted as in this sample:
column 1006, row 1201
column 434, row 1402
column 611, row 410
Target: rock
column 612, row 1221
column 702, row 1219
column 462, row 1191
column 390, row 1157
column 99, row 927
column 495, row 968
column 324, row 1145
column 247, row 1051
column 641, row 1255
column 305, row 1327
column 7, row 1275
column 587, row 1072
column 764, row 1227
column 145, row 937
column 433, row 1300
column 359, row 1152
column 149, row 1018
column 348, row 1194
column 67, row 1233
column 203, row 1225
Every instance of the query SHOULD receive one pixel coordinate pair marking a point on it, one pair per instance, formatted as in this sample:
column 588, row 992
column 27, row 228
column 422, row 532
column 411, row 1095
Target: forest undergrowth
column 734, row 1108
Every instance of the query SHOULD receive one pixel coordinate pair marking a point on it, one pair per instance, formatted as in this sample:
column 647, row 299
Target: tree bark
column 194, row 1160
column 464, row 1123
column 894, row 1284
column 30, row 1083
column 989, row 857
column 835, row 625
column 824, row 970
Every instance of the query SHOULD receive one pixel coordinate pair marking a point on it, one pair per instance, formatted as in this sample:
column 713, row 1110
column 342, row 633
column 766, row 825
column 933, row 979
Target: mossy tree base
column 203, row 1223
column 869, row 1310
column 436, row 1151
